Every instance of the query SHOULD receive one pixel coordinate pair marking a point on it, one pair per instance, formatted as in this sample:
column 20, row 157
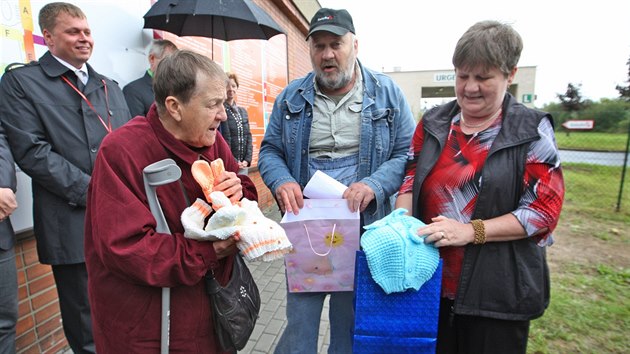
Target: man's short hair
column 48, row 14
column 159, row 46
column 176, row 75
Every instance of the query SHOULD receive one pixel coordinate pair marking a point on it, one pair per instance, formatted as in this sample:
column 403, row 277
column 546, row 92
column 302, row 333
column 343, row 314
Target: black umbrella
column 221, row 19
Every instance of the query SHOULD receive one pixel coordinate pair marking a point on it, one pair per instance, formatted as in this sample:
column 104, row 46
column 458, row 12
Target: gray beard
column 335, row 83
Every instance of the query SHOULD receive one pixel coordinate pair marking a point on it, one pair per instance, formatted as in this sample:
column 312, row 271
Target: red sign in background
column 261, row 67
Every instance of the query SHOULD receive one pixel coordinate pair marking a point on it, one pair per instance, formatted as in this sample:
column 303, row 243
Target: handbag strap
column 212, row 284
column 332, row 239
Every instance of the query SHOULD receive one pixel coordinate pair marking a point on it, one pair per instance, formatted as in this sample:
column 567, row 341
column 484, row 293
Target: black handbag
column 235, row 306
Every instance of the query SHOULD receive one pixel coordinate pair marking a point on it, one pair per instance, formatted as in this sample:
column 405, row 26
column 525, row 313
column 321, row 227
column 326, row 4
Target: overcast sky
column 584, row 43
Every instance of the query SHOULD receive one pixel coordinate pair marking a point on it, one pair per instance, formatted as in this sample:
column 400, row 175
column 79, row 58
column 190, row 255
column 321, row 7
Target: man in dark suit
column 56, row 112
column 139, row 93
column 8, row 273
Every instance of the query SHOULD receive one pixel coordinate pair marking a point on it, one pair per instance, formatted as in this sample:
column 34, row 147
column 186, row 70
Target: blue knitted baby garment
column 397, row 256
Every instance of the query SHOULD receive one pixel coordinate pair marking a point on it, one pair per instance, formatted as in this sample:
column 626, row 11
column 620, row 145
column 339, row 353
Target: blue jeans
column 343, row 169
column 8, row 301
column 303, row 313
column 304, row 309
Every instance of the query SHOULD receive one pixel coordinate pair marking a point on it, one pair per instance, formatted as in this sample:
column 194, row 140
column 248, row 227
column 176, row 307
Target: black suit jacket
column 55, row 136
column 139, row 95
column 7, row 180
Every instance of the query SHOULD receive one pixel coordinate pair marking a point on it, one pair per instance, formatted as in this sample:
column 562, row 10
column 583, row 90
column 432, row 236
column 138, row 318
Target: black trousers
column 459, row 334
column 71, row 281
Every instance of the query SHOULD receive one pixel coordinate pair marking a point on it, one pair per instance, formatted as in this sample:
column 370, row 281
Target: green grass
column 591, row 141
column 592, row 192
column 589, row 312
column 590, row 287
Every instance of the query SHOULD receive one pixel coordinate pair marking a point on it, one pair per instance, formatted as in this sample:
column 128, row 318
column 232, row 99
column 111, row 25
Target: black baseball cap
column 338, row 22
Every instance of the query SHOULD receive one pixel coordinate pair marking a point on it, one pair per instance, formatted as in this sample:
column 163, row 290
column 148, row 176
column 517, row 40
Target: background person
column 486, row 179
column 356, row 127
column 235, row 129
column 8, row 272
column 56, row 113
column 139, row 93
column 128, row 261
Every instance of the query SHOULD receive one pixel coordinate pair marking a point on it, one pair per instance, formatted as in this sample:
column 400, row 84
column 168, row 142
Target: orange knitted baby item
column 260, row 238
column 206, row 175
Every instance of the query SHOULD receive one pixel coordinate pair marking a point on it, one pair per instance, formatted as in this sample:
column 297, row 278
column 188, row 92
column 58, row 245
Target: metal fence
column 610, row 168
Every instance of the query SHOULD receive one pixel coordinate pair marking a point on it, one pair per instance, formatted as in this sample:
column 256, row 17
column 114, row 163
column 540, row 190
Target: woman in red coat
column 128, row 261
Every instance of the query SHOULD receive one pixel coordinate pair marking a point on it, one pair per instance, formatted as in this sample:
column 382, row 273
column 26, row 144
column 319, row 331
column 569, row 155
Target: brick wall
column 39, row 325
column 290, row 19
column 265, row 199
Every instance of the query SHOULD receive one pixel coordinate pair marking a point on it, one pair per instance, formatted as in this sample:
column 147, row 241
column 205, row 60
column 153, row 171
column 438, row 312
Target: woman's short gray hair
column 176, row 75
column 490, row 44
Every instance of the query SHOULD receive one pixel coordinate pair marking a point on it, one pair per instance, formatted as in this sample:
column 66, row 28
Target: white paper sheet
column 322, row 186
column 322, row 209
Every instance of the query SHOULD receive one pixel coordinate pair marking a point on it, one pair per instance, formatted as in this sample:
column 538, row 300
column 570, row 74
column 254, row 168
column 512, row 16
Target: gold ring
column 443, row 236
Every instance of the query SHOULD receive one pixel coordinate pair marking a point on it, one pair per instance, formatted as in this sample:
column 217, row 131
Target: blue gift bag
column 404, row 322
column 392, row 345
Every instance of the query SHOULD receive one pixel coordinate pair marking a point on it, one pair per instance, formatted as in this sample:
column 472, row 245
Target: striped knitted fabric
column 397, row 256
column 193, row 220
column 261, row 239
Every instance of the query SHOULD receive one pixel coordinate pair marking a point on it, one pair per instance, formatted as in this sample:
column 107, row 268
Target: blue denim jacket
column 386, row 129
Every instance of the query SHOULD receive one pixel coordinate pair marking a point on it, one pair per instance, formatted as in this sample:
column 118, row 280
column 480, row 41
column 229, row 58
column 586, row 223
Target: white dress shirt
column 82, row 72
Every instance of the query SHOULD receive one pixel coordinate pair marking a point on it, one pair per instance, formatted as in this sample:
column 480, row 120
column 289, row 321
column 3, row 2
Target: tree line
column 610, row 115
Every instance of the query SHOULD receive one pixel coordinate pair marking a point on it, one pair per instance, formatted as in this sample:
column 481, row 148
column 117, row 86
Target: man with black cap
column 351, row 123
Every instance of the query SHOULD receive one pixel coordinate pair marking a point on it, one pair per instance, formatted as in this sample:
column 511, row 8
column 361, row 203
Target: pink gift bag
column 325, row 238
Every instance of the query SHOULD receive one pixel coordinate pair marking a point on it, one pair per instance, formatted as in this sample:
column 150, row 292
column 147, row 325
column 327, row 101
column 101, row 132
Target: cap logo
column 337, row 22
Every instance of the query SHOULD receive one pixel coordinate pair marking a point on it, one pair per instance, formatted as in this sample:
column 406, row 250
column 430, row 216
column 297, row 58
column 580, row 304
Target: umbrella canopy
column 221, row 19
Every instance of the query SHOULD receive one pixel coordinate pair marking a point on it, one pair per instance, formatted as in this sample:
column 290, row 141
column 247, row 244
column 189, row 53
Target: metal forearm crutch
column 158, row 174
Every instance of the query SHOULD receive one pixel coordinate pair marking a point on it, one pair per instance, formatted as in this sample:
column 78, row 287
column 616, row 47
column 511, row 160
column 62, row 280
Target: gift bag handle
column 332, row 239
